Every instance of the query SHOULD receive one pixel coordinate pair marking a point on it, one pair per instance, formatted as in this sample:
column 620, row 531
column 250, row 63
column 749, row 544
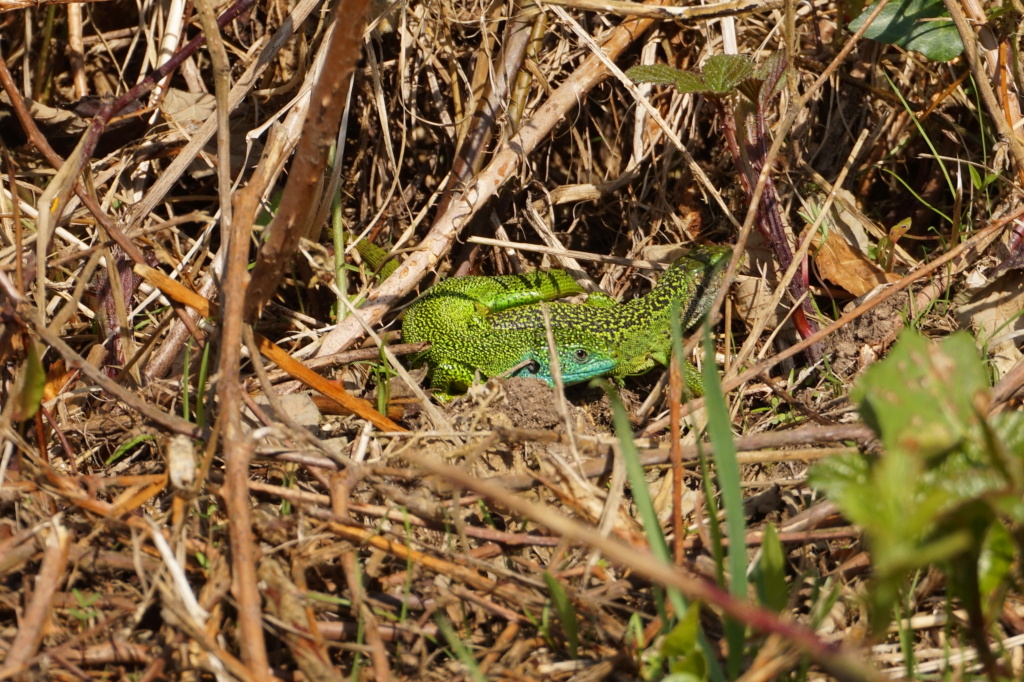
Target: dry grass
column 180, row 508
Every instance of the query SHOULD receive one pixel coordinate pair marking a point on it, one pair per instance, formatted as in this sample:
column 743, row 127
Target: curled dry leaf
column 993, row 312
column 57, row 377
column 847, row 267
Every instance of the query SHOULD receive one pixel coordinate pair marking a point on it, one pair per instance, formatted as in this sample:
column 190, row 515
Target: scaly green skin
column 495, row 324
column 376, row 258
column 460, row 306
column 498, row 353
column 452, row 317
column 638, row 331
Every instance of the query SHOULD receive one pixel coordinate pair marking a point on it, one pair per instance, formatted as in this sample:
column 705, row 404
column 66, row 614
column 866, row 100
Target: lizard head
column 578, row 362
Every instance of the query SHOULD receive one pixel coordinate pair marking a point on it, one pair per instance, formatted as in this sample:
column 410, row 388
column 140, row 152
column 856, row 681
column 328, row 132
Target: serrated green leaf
column 771, row 71
column 663, row 74
column 946, row 474
column 844, row 477
column 987, row 468
column 28, row 387
column 691, row 83
column 924, row 397
column 920, row 25
column 722, row 73
column 1008, row 428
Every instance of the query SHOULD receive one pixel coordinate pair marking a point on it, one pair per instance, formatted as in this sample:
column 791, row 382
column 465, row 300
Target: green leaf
column 659, row 74
column 920, row 25
column 724, row 72
column 645, row 507
column 681, row 649
column 269, row 209
column 924, row 397
column 943, row 471
column 691, row 82
column 770, row 572
column 994, row 564
column 975, row 176
column 28, row 387
column 683, row 677
column 127, row 446
column 566, row 612
column 663, row 74
column 641, row 494
column 728, row 470
column 681, row 641
column 771, row 71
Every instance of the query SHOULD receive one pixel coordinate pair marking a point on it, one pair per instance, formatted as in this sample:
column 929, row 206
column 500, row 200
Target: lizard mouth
column 595, row 368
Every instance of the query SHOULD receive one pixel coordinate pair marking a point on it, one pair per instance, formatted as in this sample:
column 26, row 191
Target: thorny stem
column 750, row 159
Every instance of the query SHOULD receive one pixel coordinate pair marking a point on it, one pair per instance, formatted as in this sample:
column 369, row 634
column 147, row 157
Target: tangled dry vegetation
column 221, row 483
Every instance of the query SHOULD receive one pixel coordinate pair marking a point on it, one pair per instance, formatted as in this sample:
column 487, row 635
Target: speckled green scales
column 453, row 316
column 638, row 331
column 496, row 324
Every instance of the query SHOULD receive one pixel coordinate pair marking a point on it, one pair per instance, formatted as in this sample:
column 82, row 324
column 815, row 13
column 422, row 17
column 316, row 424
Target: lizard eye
column 582, row 355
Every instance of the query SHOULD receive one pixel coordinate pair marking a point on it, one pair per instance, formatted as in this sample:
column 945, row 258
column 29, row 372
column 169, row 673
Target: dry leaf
column 993, row 312
column 57, row 377
column 846, row 267
column 188, row 109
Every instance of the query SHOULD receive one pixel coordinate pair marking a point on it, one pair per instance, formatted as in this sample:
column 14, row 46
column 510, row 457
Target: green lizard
column 494, row 324
column 452, row 317
column 638, row 331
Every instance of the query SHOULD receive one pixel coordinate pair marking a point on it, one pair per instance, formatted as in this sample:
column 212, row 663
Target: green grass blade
column 641, row 494
column 927, row 140
column 566, row 612
column 728, row 469
column 462, row 652
column 645, row 506
column 770, row 573
column 204, row 374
